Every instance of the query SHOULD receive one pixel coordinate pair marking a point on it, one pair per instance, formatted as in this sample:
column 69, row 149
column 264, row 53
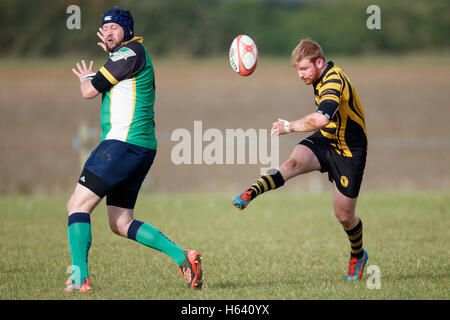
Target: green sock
column 149, row 236
column 79, row 233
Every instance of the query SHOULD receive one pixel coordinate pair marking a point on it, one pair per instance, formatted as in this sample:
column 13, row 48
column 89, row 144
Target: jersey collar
column 329, row 66
column 138, row 39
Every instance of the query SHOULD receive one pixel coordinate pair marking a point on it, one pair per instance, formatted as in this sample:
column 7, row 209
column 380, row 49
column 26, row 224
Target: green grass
column 283, row 246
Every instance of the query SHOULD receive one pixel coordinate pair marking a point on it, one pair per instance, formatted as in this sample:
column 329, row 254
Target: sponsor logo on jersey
column 122, row 53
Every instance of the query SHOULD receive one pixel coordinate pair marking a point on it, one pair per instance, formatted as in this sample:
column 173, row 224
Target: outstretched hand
column 83, row 70
column 280, row 127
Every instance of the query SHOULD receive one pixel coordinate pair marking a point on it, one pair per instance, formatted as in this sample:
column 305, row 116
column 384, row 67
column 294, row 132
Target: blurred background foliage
column 198, row 28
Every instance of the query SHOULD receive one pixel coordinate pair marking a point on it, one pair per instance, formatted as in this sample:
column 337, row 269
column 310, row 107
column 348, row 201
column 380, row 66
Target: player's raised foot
column 85, row 286
column 356, row 267
column 191, row 269
column 242, row 200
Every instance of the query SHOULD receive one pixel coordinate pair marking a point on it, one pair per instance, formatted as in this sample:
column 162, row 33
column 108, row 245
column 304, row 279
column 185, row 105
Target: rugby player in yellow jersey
column 337, row 146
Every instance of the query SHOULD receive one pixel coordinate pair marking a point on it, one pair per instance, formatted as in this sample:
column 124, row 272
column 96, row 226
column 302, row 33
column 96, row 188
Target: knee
column 82, row 200
column 293, row 164
column 68, row 207
column 345, row 217
column 71, row 206
column 120, row 226
column 114, row 226
column 342, row 218
column 74, row 205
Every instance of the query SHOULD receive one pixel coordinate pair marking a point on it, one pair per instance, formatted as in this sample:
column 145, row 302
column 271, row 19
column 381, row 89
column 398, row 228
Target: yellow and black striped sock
column 355, row 236
column 270, row 181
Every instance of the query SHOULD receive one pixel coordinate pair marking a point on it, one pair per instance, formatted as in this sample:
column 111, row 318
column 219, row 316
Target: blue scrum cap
column 121, row 17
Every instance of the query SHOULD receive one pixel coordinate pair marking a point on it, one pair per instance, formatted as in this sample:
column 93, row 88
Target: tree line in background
column 197, row 28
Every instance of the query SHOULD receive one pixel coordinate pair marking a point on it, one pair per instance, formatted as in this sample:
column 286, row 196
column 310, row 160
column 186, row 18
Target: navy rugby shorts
column 116, row 169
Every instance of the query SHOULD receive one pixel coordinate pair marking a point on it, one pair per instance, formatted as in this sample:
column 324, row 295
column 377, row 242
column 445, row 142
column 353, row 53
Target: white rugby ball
column 243, row 55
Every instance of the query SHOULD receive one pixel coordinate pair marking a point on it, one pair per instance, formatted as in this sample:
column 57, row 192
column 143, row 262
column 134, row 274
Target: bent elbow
column 323, row 122
column 320, row 121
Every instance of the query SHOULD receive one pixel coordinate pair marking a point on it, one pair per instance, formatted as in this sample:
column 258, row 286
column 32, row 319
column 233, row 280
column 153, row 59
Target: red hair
column 307, row 48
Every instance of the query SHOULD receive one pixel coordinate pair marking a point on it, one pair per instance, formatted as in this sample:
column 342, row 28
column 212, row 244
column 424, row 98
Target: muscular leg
column 120, row 220
column 302, row 160
column 82, row 200
column 79, row 207
column 122, row 223
column 344, row 209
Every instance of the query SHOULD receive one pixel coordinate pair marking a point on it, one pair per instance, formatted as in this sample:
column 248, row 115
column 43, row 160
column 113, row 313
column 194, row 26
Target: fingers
column 102, row 45
column 102, row 38
column 276, row 127
column 275, row 131
column 76, row 73
column 100, row 34
column 276, row 124
column 79, row 68
column 280, row 121
column 85, row 69
column 82, row 69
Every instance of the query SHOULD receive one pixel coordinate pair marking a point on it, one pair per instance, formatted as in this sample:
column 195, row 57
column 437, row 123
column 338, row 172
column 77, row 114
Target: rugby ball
column 243, row 55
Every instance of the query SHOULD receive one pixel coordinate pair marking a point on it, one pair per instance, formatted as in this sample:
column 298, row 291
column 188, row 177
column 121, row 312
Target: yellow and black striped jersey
column 336, row 98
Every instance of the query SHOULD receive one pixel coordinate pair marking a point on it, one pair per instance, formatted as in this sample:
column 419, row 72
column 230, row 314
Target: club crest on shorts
column 344, row 181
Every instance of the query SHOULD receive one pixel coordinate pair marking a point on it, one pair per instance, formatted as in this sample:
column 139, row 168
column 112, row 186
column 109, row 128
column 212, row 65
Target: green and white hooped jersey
column 127, row 82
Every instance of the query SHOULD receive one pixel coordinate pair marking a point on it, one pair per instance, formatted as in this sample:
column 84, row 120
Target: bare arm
column 311, row 122
column 85, row 75
column 87, row 89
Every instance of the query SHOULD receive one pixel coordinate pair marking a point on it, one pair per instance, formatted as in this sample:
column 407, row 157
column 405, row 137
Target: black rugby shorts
column 346, row 172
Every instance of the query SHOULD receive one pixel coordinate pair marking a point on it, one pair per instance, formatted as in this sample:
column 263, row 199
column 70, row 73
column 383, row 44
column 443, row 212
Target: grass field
column 285, row 246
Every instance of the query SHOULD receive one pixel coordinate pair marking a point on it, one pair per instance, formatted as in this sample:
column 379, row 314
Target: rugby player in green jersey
column 119, row 164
